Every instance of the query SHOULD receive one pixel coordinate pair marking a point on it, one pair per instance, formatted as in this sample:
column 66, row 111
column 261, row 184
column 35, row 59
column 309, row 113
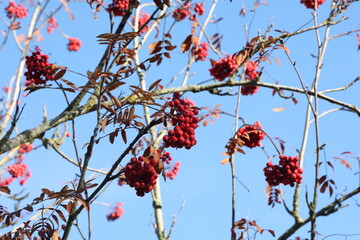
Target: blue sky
column 203, row 187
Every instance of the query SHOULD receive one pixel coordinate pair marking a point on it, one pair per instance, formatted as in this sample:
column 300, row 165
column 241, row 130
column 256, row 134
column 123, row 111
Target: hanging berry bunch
column 174, row 171
column 141, row 174
column 74, row 44
column 199, row 8
column 52, row 23
column 38, row 71
column 117, row 213
column 184, row 120
column 312, row 4
column 251, row 135
column 143, row 18
column 252, row 75
column 287, row 172
column 165, row 156
column 181, row 13
column 118, row 7
column 223, row 68
column 200, row 51
column 16, row 11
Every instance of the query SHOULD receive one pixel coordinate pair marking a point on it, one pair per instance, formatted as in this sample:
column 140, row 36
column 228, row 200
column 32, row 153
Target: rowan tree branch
column 325, row 211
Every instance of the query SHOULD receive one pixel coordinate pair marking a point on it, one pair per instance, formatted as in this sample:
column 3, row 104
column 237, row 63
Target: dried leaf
column 123, row 135
column 60, row 74
column 324, row 186
column 278, row 109
column 5, row 189
column 154, row 45
column 152, row 86
column 225, row 161
column 61, row 215
column 322, row 179
column 69, row 83
column 185, row 46
column 346, row 163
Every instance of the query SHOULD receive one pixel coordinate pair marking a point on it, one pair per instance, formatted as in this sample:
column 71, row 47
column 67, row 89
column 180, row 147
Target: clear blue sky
column 203, row 185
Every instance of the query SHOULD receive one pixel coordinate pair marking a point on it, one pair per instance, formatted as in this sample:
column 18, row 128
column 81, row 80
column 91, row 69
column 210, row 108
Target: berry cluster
column 250, row 74
column 251, row 135
column 117, row 213
column 118, row 7
column 141, row 175
column 165, row 156
column 6, row 181
column 52, row 23
column 17, row 11
column 223, row 68
column 184, row 121
column 181, row 13
column 171, row 174
column 287, row 172
column 74, row 44
column 17, row 170
column 36, row 64
column 143, row 18
column 200, row 51
column 311, row 3
column 199, row 8
column 25, row 148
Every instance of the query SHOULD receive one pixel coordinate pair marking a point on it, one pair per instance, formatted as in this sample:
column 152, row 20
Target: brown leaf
column 60, row 74
column 114, row 85
column 167, row 54
column 154, row 84
column 69, row 83
column 112, row 137
column 5, row 189
column 185, row 46
column 108, row 108
column 123, row 135
column 61, row 215
column 324, row 186
column 322, row 179
column 154, row 45
column 225, row 161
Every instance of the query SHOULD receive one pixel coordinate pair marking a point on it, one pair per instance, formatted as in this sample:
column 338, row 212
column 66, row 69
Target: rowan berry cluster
column 181, row 13
column 224, row 68
column 117, row 213
column 17, row 170
column 173, row 172
column 250, row 74
column 165, row 156
column 287, row 172
column 199, row 8
column 52, row 23
column 36, row 64
column 25, row 148
column 251, row 135
column 143, row 18
column 200, row 51
column 74, row 44
column 141, row 175
column 185, row 122
column 17, row 11
column 118, row 7
column 312, row 4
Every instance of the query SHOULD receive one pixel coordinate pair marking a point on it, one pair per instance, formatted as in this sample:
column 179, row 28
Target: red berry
column 224, row 68
column 74, row 44
column 118, row 7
